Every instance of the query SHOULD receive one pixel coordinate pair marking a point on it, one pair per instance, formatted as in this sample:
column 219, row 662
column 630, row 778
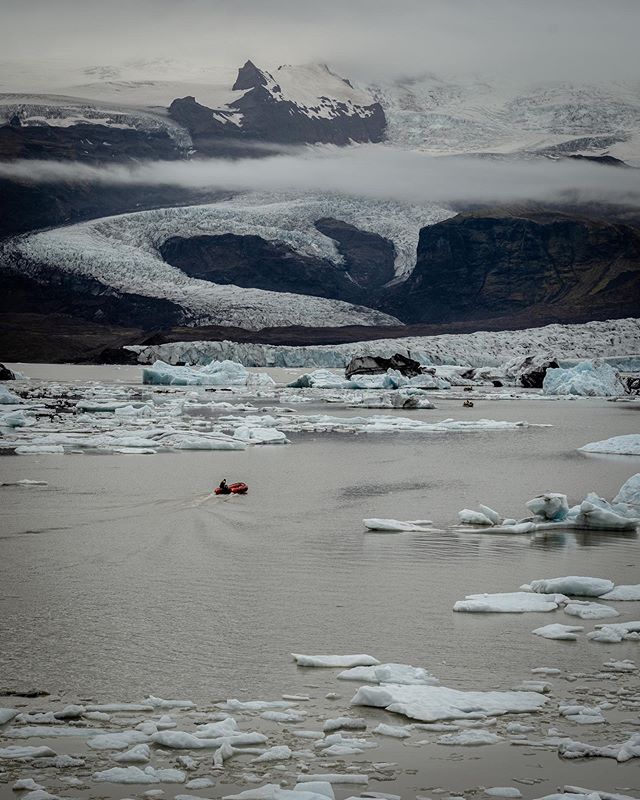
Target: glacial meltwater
column 124, row 576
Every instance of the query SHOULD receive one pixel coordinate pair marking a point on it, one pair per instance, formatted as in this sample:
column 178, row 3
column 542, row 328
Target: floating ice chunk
column 620, row 666
column 360, row 660
column 255, row 435
column 278, row 753
column 503, row 791
column 614, row 632
column 321, row 379
column 532, row 686
column 46, row 732
column 518, row 728
column 620, row 445
column 558, row 631
column 136, row 775
column 546, row 670
column 552, row 506
column 216, row 373
column 395, row 731
column 335, row 740
column 40, row 794
column 72, row 711
column 16, row 419
column 282, row 716
column 117, row 741
column 8, row 398
column 582, row 715
column 629, row 492
column 140, row 754
column 603, row 795
column 200, row 783
column 15, row 752
column 588, row 610
column 490, row 514
column 181, row 740
column 26, row 783
column 344, row 723
column 165, row 722
column 158, row 702
column 389, row 673
column 7, row 714
column 469, row 738
column 333, row 777
column 24, row 482
column 623, row 751
column 588, row 378
column 308, row 734
column 209, row 442
column 599, row 515
column 433, row 703
column 509, row 602
column 253, row 705
column 211, row 730
column 573, row 584
column 395, row 525
column 623, row 592
column 469, row 517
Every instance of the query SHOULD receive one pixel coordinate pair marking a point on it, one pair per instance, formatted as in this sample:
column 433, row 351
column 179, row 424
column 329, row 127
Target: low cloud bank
column 367, row 171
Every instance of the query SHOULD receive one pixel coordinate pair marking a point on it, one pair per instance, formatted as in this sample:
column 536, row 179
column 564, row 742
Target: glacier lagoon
column 123, row 577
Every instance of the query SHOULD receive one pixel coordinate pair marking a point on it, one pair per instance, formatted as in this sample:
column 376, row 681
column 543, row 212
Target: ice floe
column 433, row 703
column 628, row 445
column 7, row 714
column 590, row 378
column 17, row 752
column 469, row 738
column 7, row 397
column 623, row 592
column 571, row 584
column 216, row 373
column 503, row 791
column 509, row 602
column 623, row 751
column 589, row 610
column 344, row 723
column 390, row 673
column 395, row 731
column 397, row 526
column 140, row 754
column 582, row 715
column 135, row 775
column 615, row 632
column 360, row 660
column 558, row 631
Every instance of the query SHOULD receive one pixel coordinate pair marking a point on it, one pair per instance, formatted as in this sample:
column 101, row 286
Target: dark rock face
column 6, row 374
column 264, row 114
column 369, row 258
column 57, row 292
column 87, row 143
column 498, row 265
column 251, row 261
column 374, row 365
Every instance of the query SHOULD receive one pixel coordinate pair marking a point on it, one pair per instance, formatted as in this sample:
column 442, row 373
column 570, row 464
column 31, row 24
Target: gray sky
column 528, row 40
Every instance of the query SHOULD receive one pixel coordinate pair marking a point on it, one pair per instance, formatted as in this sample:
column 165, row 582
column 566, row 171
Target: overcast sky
column 523, row 39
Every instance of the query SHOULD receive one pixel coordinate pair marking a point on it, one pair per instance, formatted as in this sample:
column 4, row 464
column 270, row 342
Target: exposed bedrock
column 251, row 261
column 483, row 265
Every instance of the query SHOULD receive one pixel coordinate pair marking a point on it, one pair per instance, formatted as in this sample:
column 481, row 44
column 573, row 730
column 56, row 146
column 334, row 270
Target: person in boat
column 223, row 486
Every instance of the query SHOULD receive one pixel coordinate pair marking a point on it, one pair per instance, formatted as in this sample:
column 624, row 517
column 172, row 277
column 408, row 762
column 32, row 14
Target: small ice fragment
column 333, row 777
column 158, row 702
column 395, row 731
column 469, row 517
column 15, row 751
column 360, row 660
column 140, row 754
column 200, row 783
column 573, row 585
column 26, row 783
column 509, row 602
column 469, row 738
column 623, row 592
column 503, row 791
column 137, row 775
column 558, row 631
column 278, row 753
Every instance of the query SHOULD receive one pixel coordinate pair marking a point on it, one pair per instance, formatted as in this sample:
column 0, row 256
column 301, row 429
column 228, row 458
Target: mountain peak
column 249, row 77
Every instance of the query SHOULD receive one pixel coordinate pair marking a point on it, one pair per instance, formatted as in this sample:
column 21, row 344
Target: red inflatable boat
column 233, row 488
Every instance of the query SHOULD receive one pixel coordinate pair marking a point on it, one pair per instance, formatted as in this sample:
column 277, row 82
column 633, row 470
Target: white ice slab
column 579, row 585
column 509, row 602
column 558, row 631
column 433, row 703
column 588, row 610
column 359, row 660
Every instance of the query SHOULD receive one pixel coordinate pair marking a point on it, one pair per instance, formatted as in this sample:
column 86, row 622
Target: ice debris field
column 315, row 745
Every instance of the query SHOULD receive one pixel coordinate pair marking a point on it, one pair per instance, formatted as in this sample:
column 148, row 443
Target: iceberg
column 628, row 445
column 615, row 632
column 217, row 373
column 509, row 602
column 588, row 378
column 469, row 517
column 8, row 398
column 551, row 506
column 360, row 660
column 629, row 493
column 571, row 584
column 433, row 703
